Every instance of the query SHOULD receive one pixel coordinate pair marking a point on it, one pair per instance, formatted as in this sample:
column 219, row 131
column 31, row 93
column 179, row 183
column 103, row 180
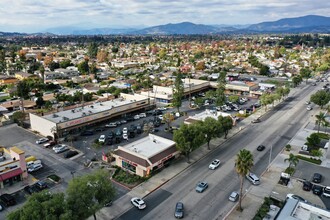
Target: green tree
column 220, row 92
column 320, row 98
column 40, row 102
column 243, row 164
column 92, row 49
column 19, row 117
column 83, row 67
column 292, row 159
column 53, row 65
column 211, row 129
column 87, row 194
column 65, row 63
column 226, row 123
column 42, row 205
column 264, row 70
column 168, row 118
column 178, row 92
column 313, row 141
column 23, row 89
column 305, row 73
column 188, row 138
column 233, row 98
column 320, row 119
column 296, row 80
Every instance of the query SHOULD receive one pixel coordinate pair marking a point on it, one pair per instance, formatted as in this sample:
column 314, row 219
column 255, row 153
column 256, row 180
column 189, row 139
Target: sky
column 31, row 16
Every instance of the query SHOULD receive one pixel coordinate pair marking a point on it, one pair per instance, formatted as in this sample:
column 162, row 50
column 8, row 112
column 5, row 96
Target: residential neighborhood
column 147, row 116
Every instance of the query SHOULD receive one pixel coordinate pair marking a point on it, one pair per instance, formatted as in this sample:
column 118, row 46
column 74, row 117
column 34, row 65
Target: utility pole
column 270, row 156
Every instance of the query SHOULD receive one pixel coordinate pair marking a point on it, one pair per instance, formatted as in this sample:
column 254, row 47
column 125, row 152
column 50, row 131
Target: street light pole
column 270, row 155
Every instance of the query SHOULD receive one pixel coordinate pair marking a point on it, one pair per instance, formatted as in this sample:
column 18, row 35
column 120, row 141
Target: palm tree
column 320, row 119
column 243, row 165
column 293, row 160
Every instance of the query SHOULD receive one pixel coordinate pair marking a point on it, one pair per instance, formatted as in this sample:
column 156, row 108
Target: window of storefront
column 128, row 166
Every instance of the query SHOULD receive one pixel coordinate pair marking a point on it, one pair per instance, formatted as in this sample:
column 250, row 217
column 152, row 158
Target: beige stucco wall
column 41, row 125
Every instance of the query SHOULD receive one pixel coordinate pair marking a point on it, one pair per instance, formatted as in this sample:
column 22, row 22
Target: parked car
column 179, row 210
column 111, row 125
column 307, row 186
column 326, row 191
column 41, row 185
column 70, row 153
column 317, row 178
column 125, row 136
column 123, row 121
column 30, row 163
column 309, row 108
column 110, row 135
column 42, row 140
column 102, row 139
column 214, row 164
column 8, row 199
column 138, row 203
column 2, row 158
column 50, row 144
column 142, row 115
column 125, row 130
column 31, row 189
column 60, row 148
column 34, row 167
column 201, row 187
column 99, row 129
column 261, row 148
column 233, row 196
column 136, row 117
column 317, row 189
column 87, row 133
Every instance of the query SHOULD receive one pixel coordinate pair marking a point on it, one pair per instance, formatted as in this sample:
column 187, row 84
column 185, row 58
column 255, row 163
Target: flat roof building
column 64, row 121
column 146, row 155
column 294, row 209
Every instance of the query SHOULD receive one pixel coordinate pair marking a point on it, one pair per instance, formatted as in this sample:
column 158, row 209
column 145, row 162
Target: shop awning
column 10, row 174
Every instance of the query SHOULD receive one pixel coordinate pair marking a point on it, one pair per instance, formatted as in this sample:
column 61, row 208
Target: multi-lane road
column 278, row 126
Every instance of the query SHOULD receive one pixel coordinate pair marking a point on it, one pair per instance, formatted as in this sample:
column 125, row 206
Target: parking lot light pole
column 270, row 157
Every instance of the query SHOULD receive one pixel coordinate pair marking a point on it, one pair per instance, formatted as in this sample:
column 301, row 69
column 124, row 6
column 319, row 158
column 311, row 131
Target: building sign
column 127, row 161
column 163, row 160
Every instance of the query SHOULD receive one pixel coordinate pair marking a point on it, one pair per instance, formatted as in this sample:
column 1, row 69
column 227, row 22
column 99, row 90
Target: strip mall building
column 144, row 156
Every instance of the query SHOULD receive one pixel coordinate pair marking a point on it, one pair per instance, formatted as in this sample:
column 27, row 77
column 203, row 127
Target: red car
column 50, row 144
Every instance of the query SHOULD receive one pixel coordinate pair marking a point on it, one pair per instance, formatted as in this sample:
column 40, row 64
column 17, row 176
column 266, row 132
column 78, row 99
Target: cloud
column 38, row 15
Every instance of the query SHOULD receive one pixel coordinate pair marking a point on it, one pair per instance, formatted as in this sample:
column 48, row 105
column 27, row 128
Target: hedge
column 311, row 160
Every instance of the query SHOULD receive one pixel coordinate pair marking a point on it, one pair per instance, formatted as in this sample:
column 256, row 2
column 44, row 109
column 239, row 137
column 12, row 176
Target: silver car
column 233, row 196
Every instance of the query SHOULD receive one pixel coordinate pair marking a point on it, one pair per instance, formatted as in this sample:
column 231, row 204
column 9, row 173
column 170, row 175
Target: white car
column 111, row 125
column 60, row 148
column 233, row 196
column 138, row 203
column 309, row 108
column 215, row 164
column 160, row 117
column 142, row 115
column 34, row 167
column 125, row 130
column 102, row 138
column 125, row 136
column 42, row 140
column 136, row 117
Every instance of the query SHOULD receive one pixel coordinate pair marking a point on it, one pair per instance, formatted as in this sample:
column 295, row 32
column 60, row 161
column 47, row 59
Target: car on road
column 102, row 139
column 179, row 210
column 307, row 186
column 233, row 196
column 50, row 144
column 111, row 125
column 317, row 189
column 42, row 140
column 309, row 108
column 201, row 187
column 307, row 102
column 8, row 199
column 70, row 153
column 214, row 164
column 317, row 178
column 261, row 148
column 138, row 203
column 34, row 167
column 257, row 120
column 60, row 148
column 254, row 179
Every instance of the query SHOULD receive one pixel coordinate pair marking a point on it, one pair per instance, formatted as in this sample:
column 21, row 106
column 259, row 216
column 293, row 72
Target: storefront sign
column 129, row 162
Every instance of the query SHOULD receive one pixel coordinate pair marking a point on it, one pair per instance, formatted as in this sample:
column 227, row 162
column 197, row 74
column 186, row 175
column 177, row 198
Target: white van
column 253, row 178
column 31, row 163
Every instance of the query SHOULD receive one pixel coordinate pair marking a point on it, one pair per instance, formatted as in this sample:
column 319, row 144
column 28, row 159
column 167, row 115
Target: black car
column 317, row 189
column 31, row 189
column 307, row 186
column 8, row 199
column 70, row 153
column 317, row 178
column 111, row 135
column 131, row 134
column 99, row 129
column 87, row 133
column 179, row 210
column 118, row 133
column 41, row 185
column 110, row 141
column 118, row 139
column 261, row 148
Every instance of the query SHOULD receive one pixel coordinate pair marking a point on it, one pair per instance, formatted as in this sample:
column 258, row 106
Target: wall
column 43, row 126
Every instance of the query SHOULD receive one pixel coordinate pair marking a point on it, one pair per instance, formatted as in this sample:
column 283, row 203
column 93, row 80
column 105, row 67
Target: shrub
column 288, row 147
column 54, row 177
column 323, row 135
column 290, row 170
column 311, row 160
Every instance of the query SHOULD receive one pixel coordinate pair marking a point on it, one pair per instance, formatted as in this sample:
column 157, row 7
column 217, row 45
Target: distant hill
column 309, row 23
column 305, row 24
column 11, row 34
column 179, row 28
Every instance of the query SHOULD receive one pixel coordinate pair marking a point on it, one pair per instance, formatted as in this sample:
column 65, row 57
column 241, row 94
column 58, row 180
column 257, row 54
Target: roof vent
column 55, row 115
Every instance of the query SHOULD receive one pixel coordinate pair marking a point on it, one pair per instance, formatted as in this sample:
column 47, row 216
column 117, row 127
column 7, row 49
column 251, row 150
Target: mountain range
column 305, row 24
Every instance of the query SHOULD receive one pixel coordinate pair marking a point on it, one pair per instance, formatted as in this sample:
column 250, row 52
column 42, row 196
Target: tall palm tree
column 320, row 119
column 243, row 164
column 293, row 160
